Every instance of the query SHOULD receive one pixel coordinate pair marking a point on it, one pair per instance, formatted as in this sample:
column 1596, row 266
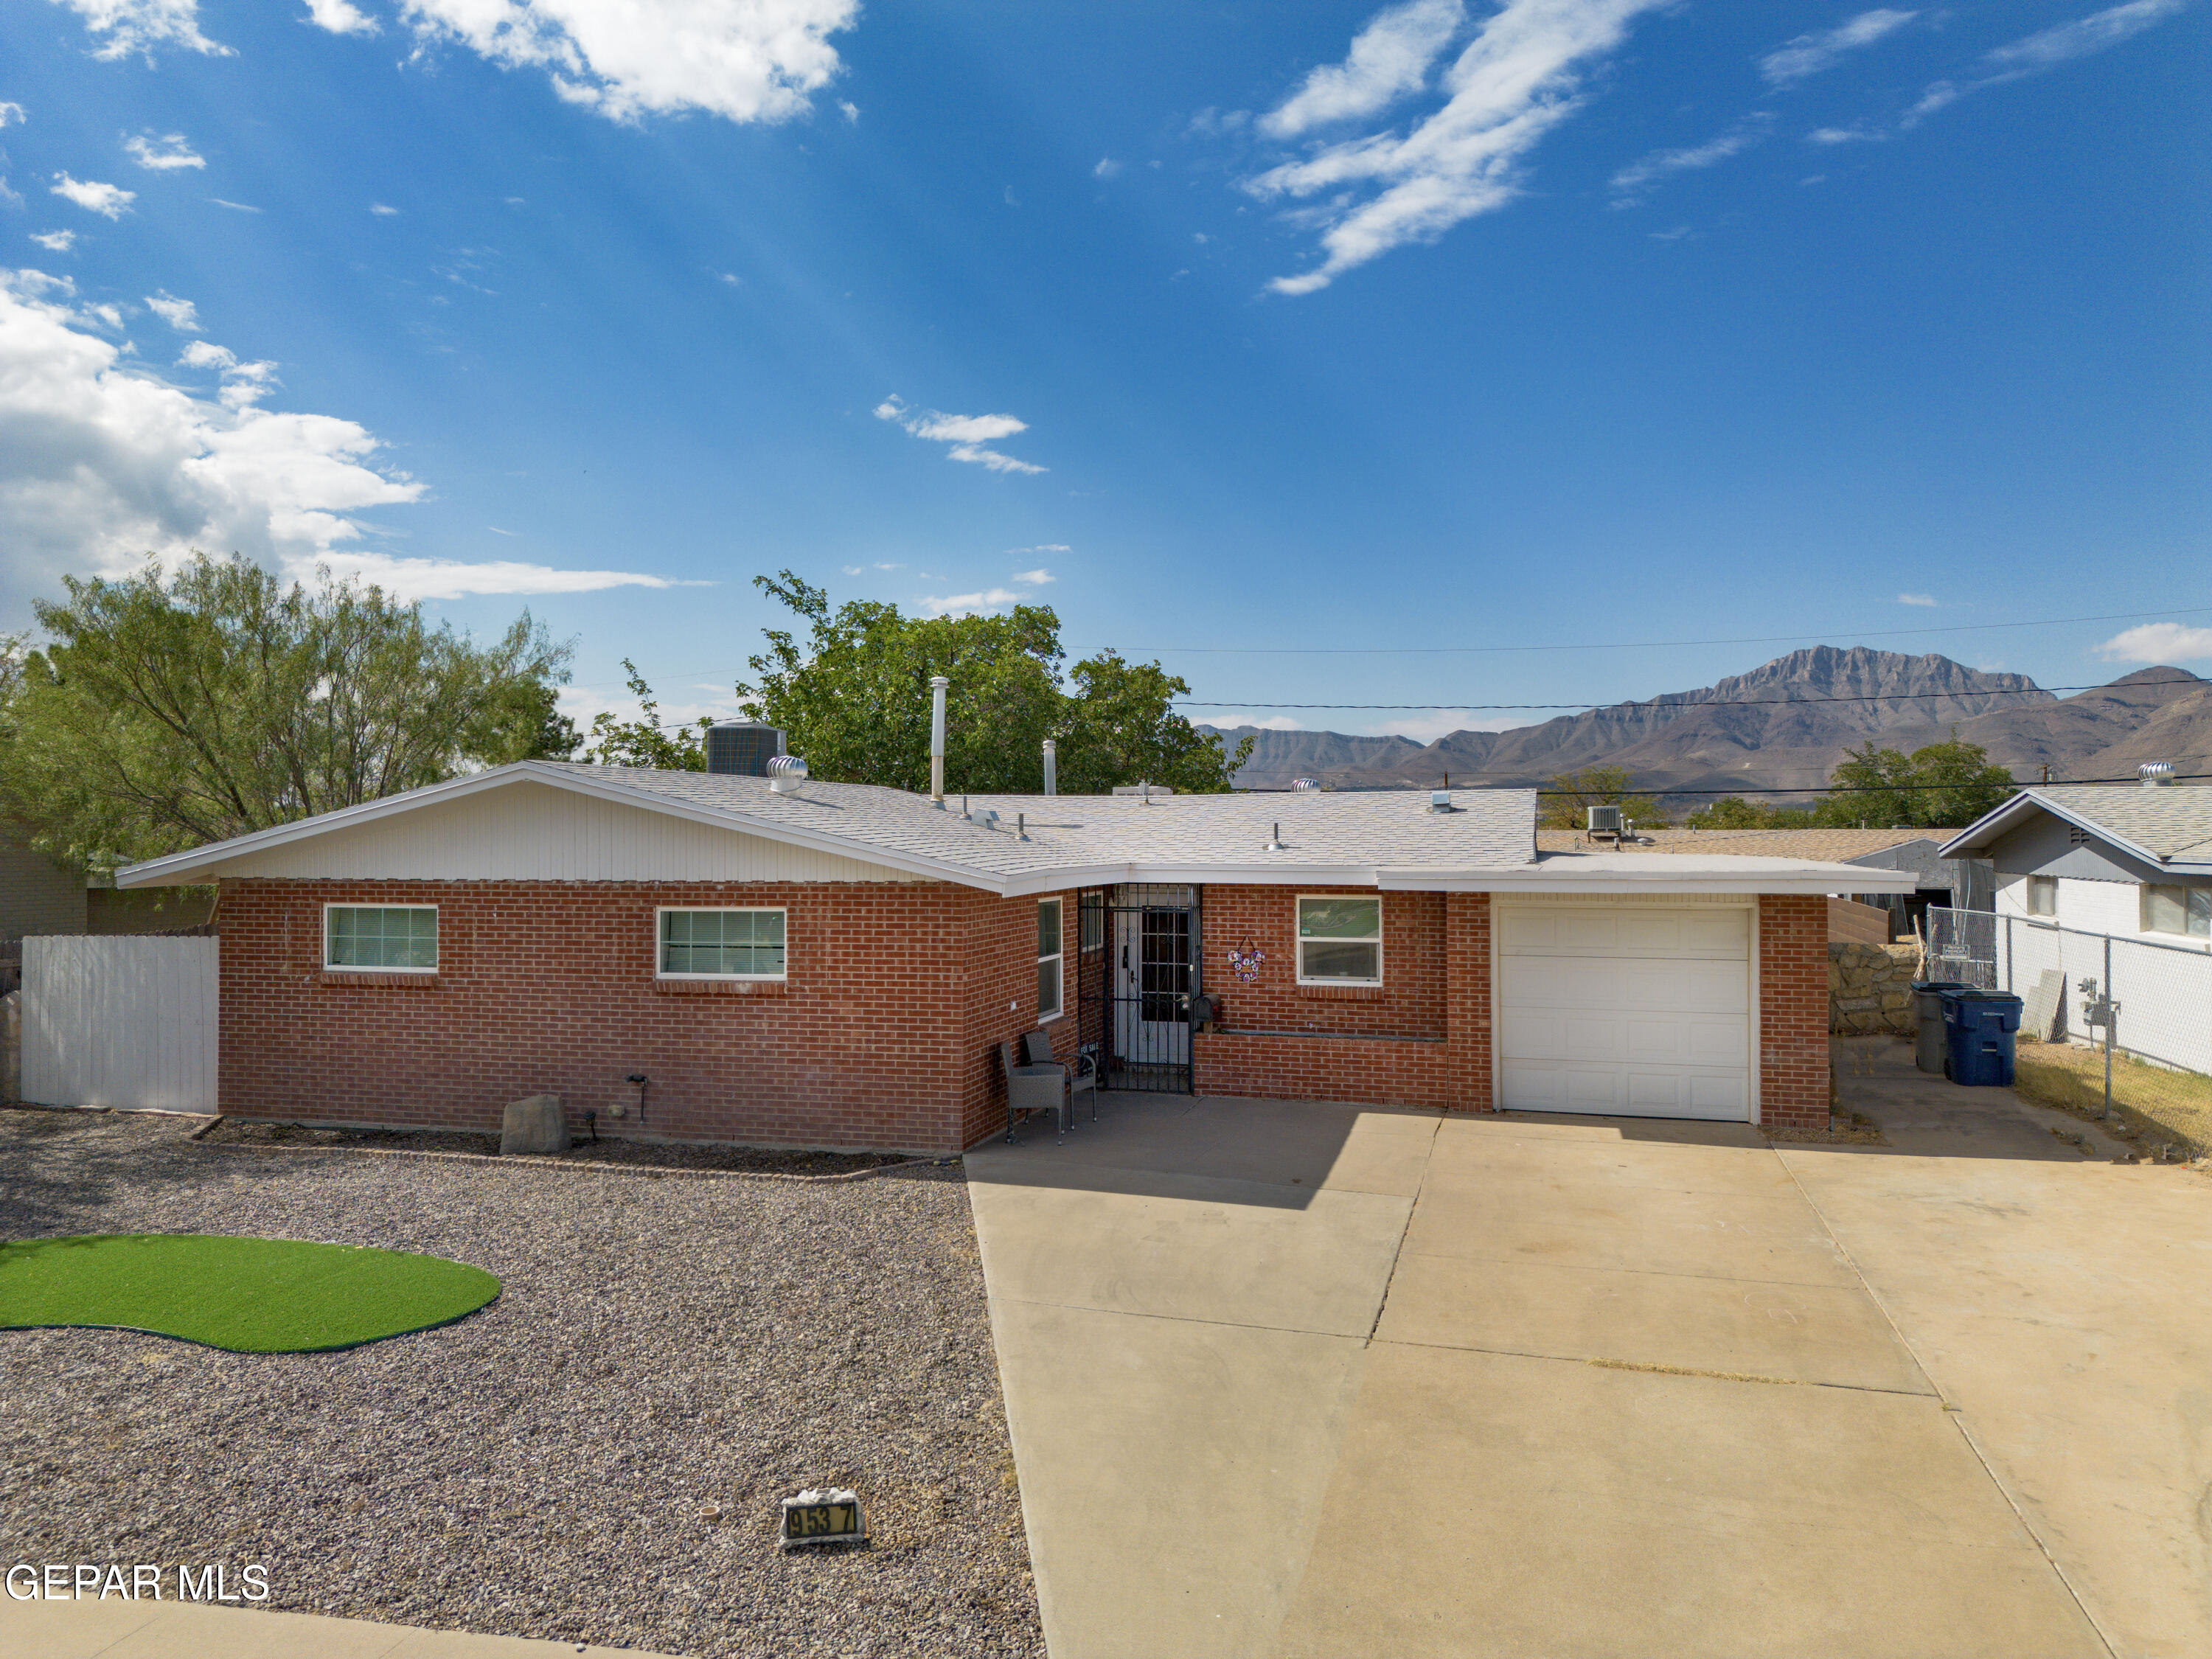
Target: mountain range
column 1783, row 725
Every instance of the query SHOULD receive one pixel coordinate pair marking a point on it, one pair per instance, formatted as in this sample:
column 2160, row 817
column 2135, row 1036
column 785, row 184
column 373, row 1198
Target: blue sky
column 1241, row 326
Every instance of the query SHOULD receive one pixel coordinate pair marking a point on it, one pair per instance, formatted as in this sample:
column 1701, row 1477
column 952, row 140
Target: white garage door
column 1628, row 1009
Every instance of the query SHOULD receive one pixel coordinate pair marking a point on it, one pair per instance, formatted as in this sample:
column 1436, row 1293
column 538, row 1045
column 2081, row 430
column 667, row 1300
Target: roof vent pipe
column 1051, row 768
column 785, row 773
column 1302, row 786
column 2154, row 773
column 936, row 684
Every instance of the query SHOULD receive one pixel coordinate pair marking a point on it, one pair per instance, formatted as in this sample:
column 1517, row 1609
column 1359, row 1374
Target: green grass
column 2154, row 1103
column 248, row 1295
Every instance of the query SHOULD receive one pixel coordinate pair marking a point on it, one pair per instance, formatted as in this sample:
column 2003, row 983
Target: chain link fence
column 2161, row 997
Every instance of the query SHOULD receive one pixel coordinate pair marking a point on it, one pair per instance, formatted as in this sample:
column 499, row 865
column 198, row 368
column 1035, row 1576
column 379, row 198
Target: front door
column 1150, row 973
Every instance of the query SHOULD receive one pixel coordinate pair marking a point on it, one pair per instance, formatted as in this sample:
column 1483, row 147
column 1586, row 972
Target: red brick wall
column 883, row 1036
column 1420, row 1039
column 1793, row 1010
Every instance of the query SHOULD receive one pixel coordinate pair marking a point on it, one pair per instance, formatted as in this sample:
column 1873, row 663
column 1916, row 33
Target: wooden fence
column 128, row 1020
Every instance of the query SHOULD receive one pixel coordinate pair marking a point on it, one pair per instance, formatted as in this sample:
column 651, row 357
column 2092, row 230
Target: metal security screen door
column 1141, row 970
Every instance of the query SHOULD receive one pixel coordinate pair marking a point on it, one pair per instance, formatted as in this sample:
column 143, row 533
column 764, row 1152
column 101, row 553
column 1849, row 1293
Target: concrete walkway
column 116, row 1629
column 1310, row 1380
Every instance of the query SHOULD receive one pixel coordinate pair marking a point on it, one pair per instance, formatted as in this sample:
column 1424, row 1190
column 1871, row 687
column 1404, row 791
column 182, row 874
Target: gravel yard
column 664, row 1346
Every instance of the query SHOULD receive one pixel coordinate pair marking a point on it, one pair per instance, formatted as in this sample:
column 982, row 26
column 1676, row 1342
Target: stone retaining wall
column 1870, row 987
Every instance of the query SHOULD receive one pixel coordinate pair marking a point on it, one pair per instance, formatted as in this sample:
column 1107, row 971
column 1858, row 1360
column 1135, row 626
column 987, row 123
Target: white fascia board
column 182, row 868
column 1812, row 878
column 1190, row 875
column 2004, row 817
column 1998, row 820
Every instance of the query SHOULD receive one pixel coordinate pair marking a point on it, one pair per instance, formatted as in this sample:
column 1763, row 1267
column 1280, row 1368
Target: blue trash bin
column 1979, row 1027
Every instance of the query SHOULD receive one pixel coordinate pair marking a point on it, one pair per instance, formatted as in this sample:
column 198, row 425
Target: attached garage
column 1625, row 1008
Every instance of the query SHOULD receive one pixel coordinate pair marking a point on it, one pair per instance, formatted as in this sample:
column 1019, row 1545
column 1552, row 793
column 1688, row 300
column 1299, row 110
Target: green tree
column 168, row 711
column 1120, row 727
column 853, row 699
column 646, row 741
column 1735, row 812
column 1947, row 783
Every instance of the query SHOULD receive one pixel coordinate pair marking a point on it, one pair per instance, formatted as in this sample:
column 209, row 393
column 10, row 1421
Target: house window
column 2043, row 896
column 1048, row 959
column 721, row 944
column 385, row 938
column 1340, row 941
column 2187, row 910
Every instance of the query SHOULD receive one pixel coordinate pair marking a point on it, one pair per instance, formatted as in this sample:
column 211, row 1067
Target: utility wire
column 1630, row 645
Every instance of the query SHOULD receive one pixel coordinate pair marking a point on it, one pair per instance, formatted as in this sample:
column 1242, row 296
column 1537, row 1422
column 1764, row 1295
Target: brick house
column 835, row 964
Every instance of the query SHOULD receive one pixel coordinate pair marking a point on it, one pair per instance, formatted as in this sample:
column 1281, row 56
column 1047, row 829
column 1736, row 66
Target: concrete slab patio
column 1309, row 1380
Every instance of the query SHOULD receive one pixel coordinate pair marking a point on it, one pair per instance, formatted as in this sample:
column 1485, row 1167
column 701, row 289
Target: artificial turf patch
column 248, row 1295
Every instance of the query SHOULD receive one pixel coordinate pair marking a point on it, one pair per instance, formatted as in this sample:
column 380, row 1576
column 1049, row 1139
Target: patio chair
column 1036, row 1050
column 1033, row 1089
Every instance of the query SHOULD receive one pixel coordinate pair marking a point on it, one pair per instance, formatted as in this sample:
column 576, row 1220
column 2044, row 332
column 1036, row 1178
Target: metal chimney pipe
column 936, row 684
column 1051, row 768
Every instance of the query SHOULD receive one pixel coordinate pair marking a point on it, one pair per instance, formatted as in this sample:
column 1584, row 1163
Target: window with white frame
column 1049, row 960
column 1340, row 941
column 401, row 938
column 2043, row 896
column 722, row 944
column 2184, row 910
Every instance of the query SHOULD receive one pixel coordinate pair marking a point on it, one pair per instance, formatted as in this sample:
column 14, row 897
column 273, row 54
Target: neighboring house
column 38, row 895
column 2123, row 859
column 1952, row 883
column 835, row 965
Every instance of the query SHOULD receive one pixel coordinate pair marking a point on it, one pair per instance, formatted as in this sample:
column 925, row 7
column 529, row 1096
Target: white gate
column 124, row 1020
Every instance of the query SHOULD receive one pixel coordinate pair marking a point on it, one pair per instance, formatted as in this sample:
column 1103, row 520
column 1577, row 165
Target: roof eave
column 180, row 868
column 1999, row 819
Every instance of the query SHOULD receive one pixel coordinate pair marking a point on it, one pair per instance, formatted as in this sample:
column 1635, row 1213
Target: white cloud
column 163, row 154
column 383, row 212
column 235, row 207
column 108, row 200
column 2157, row 642
column 1928, row 600
column 339, row 17
column 969, row 436
column 1106, row 167
column 1808, row 54
column 453, row 579
column 1630, row 183
column 1390, row 58
column 180, row 314
column 1037, row 578
column 142, row 25
column 754, row 61
column 1430, row 725
column 964, row 605
column 11, row 115
column 1517, row 79
column 2032, row 54
column 2094, row 32
column 55, row 241
column 102, row 466
column 850, row 111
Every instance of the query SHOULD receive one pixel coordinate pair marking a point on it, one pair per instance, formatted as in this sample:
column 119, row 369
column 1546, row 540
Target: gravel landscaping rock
column 653, row 1154
column 596, row 1456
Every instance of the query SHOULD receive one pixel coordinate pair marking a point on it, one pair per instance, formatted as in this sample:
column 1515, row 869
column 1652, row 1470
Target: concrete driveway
column 1300, row 1379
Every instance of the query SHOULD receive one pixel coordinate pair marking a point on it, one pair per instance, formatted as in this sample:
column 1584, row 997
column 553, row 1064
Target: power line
column 1679, row 699
column 1630, row 645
